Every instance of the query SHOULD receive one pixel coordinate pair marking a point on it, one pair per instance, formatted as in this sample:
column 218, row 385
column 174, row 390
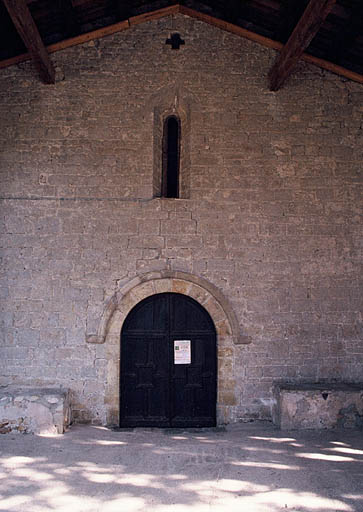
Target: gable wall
column 272, row 220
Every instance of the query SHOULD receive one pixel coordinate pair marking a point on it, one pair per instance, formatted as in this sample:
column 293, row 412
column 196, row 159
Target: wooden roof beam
column 223, row 25
column 28, row 31
column 308, row 25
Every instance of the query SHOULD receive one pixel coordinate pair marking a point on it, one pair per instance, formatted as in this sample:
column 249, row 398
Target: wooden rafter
column 206, row 18
column 308, row 25
column 269, row 43
column 27, row 29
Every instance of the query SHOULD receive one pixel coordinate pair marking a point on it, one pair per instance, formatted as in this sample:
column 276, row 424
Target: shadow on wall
column 92, row 469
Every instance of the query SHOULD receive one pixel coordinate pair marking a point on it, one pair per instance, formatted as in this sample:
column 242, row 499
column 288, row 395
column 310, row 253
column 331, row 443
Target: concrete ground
column 249, row 468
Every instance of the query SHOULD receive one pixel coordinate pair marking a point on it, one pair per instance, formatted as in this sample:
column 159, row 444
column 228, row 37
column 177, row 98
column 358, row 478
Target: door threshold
column 192, row 430
column 169, row 430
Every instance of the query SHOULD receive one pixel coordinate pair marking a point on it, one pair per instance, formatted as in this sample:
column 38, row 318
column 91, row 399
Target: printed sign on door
column 182, row 352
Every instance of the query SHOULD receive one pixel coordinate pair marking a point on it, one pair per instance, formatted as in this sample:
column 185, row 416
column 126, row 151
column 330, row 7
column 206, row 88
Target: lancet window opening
column 171, row 157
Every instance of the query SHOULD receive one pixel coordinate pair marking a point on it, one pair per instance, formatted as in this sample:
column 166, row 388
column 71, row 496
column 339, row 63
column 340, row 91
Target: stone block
column 163, row 285
column 181, row 286
column 223, row 329
column 227, row 398
column 34, row 410
column 214, row 309
column 318, row 406
column 142, row 291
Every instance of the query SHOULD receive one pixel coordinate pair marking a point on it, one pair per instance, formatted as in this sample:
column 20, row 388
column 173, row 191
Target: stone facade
column 269, row 214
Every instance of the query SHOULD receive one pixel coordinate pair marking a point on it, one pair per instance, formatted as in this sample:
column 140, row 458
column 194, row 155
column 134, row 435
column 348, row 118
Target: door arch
column 155, row 388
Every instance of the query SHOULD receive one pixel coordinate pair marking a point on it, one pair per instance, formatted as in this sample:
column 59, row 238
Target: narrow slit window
column 171, row 157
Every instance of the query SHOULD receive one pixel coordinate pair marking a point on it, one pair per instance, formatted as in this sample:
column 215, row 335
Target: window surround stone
column 172, row 101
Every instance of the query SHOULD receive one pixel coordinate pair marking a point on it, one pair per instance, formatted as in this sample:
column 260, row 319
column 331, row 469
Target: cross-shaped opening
column 175, row 41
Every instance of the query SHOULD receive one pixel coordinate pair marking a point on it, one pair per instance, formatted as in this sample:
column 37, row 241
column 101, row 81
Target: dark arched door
column 168, row 364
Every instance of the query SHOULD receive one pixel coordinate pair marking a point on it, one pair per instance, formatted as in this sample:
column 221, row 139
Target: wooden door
column 157, row 386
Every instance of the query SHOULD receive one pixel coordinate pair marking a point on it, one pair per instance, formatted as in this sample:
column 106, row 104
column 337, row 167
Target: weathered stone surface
column 34, row 410
column 272, row 217
column 318, row 406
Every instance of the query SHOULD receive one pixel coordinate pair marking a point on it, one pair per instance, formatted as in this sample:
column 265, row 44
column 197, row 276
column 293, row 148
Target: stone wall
column 270, row 214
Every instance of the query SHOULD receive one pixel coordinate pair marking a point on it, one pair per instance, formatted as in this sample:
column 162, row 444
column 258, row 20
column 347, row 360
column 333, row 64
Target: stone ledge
column 34, row 410
column 318, row 406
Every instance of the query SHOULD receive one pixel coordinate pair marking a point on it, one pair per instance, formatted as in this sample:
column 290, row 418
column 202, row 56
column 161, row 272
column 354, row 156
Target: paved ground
column 245, row 468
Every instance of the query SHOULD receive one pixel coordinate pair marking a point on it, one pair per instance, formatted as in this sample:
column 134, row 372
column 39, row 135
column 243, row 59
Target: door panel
column 153, row 390
column 144, row 380
column 149, row 316
column 188, row 316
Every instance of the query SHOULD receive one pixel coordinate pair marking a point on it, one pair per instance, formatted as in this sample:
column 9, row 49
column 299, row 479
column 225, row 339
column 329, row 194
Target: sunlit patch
column 195, row 507
column 100, row 478
column 18, row 460
column 323, row 456
column 288, row 498
column 52, row 435
column 52, row 492
column 32, row 474
column 177, row 477
column 126, row 503
column 62, row 471
column 278, row 499
column 273, row 439
column 138, row 480
column 13, row 502
column 60, row 498
column 179, row 438
column 109, row 443
column 269, row 465
column 339, row 443
column 346, row 450
column 204, row 489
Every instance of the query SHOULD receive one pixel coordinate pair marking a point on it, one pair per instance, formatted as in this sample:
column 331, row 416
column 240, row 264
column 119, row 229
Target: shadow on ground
column 244, row 468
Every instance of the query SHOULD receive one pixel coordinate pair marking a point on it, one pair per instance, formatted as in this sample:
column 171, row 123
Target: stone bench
column 34, row 410
column 318, row 406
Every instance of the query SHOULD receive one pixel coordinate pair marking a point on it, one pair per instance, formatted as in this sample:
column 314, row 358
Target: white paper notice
column 182, row 352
